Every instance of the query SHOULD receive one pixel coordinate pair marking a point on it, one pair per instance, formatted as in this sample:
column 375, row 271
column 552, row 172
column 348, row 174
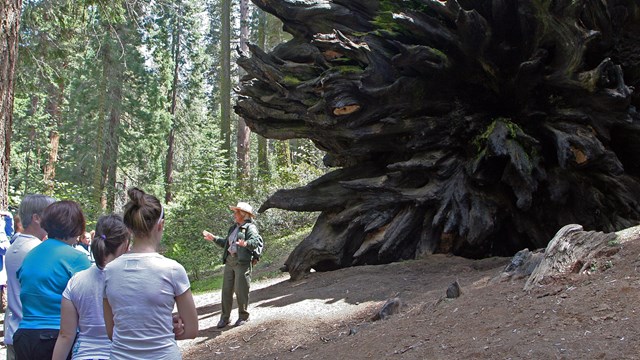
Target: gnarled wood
column 467, row 126
column 571, row 250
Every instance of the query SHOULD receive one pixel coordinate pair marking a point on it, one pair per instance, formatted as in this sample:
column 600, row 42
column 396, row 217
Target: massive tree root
column 468, row 126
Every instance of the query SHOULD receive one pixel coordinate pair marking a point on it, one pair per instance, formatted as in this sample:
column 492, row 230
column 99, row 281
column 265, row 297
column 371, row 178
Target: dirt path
column 306, row 318
column 328, row 315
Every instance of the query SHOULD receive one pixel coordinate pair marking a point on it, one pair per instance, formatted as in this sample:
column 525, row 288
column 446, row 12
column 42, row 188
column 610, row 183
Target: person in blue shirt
column 28, row 234
column 43, row 277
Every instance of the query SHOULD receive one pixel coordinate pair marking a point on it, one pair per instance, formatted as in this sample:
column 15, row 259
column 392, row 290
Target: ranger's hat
column 243, row 206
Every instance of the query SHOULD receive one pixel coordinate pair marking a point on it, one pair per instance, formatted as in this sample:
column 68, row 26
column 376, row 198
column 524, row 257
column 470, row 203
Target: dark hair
column 142, row 212
column 63, row 219
column 110, row 233
column 33, row 204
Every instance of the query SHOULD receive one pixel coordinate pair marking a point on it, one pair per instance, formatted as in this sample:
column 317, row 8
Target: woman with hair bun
column 82, row 299
column 142, row 287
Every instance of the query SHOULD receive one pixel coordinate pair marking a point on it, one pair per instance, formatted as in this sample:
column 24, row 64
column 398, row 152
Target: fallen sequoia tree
column 470, row 127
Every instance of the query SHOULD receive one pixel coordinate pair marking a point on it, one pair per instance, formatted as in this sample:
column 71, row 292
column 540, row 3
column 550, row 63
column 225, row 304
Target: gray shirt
column 233, row 241
column 84, row 290
column 16, row 253
column 141, row 289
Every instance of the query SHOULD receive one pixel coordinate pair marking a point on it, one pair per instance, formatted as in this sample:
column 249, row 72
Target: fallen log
column 573, row 250
column 466, row 126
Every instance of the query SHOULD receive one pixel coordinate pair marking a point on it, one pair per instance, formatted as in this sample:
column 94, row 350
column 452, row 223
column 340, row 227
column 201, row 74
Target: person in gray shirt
column 30, row 213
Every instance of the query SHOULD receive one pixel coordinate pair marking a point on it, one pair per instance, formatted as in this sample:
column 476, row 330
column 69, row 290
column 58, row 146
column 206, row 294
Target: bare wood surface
column 572, row 250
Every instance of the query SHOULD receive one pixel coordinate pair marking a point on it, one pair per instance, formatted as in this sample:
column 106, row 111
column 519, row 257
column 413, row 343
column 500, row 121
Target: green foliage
column 279, row 248
column 206, row 207
column 206, row 284
column 291, row 81
column 281, row 243
column 349, row 69
column 184, row 225
column 93, row 59
column 386, row 21
column 514, row 131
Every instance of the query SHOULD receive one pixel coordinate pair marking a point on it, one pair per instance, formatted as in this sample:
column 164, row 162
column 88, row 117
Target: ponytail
column 110, row 234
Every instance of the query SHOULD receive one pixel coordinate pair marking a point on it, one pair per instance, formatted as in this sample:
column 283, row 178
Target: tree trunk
column 472, row 127
column 113, row 139
column 573, row 250
column 28, row 160
column 9, row 30
column 54, row 104
column 263, row 144
column 214, row 79
column 243, row 153
column 100, row 168
column 283, row 154
column 50, row 167
column 113, row 63
column 264, row 170
column 173, row 98
column 225, row 78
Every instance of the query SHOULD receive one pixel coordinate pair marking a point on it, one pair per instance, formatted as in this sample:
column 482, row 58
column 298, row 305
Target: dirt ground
column 328, row 315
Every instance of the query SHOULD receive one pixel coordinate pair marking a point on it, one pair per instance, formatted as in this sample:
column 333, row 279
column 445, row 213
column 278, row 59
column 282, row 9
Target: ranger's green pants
column 236, row 278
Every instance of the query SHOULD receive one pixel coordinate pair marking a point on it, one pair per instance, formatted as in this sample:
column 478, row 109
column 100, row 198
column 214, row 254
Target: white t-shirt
column 13, row 261
column 84, row 290
column 141, row 289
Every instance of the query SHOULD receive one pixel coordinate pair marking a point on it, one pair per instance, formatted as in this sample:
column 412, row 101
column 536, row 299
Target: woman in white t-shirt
column 81, row 309
column 142, row 287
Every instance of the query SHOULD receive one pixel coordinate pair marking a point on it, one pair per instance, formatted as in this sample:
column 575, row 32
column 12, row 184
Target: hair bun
column 137, row 196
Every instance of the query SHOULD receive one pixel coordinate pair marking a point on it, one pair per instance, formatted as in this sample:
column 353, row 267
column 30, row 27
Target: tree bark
column 225, row 78
column 264, row 170
column 214, row 79
column 243, row 153
column 283, row 154
column 573, row 250
column 54, row 104
column 9, row 30
column 113, row 70
column 113, row 138
column 471, row 127
column 100, row 168
column 176, row 49
column 50, row 167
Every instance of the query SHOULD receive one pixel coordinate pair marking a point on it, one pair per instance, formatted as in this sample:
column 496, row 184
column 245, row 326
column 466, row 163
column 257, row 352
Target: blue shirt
column 43, row 277
column 6, row 232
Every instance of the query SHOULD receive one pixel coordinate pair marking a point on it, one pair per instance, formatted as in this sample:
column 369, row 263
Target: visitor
column 43, row 277
column 28, row 235
column 83, row 245
column 82, row 298
column 6, row 232
column 142, row 287
column 18, row 227
column 239, row 245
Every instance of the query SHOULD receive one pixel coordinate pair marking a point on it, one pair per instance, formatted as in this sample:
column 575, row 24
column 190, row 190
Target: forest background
column 110, row 95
